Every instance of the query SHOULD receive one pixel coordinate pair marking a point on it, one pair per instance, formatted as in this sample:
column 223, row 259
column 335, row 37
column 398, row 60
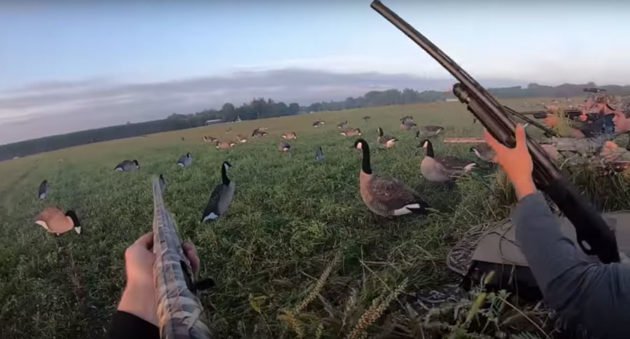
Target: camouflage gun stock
column 179, row 310
column 593, row 234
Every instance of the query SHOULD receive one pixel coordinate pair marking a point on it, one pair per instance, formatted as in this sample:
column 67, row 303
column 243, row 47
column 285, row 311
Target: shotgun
column 593, row 234
column 179, row 310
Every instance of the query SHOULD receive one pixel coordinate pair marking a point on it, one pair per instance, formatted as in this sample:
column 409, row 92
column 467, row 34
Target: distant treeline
column 266, row 108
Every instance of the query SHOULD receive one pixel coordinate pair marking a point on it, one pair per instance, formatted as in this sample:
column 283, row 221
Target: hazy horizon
column 71, row 65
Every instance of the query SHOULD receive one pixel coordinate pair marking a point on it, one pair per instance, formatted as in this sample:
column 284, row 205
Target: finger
column 191, row 253
column 521, row 136
column 493, row 143
column 146, row 241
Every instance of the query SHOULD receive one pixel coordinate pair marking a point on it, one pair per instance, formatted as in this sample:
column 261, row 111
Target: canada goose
column 284, row 146
column 318, row 123
column 209, row 139
column 319, row 154
column 442, row 169
column 162, row 183
column 259, row 132
column 429, row 131
column 43, row 190
column 405, row 118
column 55, row 221
column 289, row 136
column 225, row 144
column 127, row 166
column 386, row 197
column 185, row 160
column 342, row 125
column 350, row 132
column 408, row 124
column 385, row 140
column 241, row 138
column 483, row 152
column 221, row 197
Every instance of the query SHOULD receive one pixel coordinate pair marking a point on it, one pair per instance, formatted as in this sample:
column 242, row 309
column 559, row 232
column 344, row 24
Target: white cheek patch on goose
column 476, row 153
column 211, row 216
column 469, row 167
column 406, row 209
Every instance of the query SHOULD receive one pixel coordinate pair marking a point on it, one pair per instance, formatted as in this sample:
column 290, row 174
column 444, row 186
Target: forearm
column 139, row 301
column 593, row 294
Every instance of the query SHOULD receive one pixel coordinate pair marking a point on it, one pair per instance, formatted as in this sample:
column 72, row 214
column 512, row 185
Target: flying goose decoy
column 127, row 166
column 221, row 197
column 351, row 132
column 342, row 125
column 289, row 136
column 484, row 152
column 53, row 220
column 383, row 196
column 429, row 131
column 385, row 140
column 442, row 169
column 185, row 160
column 319, row 154
column 42, row 193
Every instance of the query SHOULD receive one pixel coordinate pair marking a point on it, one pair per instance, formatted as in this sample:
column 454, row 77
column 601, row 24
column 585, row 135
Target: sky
column 72, row 65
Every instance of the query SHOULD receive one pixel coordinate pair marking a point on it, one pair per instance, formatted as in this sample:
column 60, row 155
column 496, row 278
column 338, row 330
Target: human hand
column 139, row 295
column 516, row 162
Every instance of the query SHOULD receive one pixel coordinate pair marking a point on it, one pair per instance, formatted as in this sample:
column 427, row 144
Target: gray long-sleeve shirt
column 595, row 295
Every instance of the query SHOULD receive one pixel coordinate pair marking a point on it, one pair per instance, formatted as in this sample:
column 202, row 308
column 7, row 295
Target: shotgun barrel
column 593, row 234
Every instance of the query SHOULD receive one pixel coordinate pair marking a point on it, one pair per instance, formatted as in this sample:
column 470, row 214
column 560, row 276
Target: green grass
column 290, row 218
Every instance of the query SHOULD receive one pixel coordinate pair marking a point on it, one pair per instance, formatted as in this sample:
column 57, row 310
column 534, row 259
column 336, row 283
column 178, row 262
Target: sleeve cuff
column 126, row 325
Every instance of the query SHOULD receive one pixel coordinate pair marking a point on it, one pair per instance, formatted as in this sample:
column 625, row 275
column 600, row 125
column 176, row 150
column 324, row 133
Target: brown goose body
column 385, row 140
column 351, row 132
column 442, row 169
column 53, row 220
column 289, row 136
column 386, row 196
column 225, row 144
column 241, row 138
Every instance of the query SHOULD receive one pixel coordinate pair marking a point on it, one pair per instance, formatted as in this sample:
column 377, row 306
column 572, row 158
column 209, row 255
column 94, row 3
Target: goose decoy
column 162, row 183
column 350, row 132
column 342, row 125
column 385, row 140
column 209, row 139
column 429, row 131
column 284, row 147
column 42, row 193
column 241, row 138
column 225, row 144
column 185, row 160
column 366, row 118
column 259, row 132
column 318, row 123
column 319, row 154
column 127, row 166
column 289, row 136
column 386, row 196
column 442, row 169
column 408, row 124
column 484, row 152
column 405, row 118
column 221, row 197
column 53, row 220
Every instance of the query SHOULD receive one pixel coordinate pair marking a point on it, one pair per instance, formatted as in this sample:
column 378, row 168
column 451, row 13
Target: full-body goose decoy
column 221, row 197
column 225, row 144
column 42, row 193
column 386, row 197
column 289, row 136
column 127, row 166
column 318, row 123
column 385, row 140
column 241, row 138
column 53, row 220
column 429, row 131
column 442, row 169
column 351, row 132
column 484, row 152
column 209, row 139
column 259, row 132
column 342, row 125
column 185, row 160
column 408, row 124
column 284, row 146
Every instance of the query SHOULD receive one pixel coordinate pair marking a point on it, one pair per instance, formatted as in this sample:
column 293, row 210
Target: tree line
column 266, row 108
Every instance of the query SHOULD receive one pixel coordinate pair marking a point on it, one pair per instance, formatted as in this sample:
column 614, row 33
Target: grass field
column 291, row 217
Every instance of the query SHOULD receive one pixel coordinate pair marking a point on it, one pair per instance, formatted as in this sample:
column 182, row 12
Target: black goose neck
column 365, row 164
column 224, row 177
column 429, row 149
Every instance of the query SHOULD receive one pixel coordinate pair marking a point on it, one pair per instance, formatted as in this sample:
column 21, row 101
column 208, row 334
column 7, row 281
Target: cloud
column 61, row 107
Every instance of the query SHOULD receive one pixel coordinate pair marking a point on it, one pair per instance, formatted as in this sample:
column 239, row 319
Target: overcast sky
column 71, row 65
